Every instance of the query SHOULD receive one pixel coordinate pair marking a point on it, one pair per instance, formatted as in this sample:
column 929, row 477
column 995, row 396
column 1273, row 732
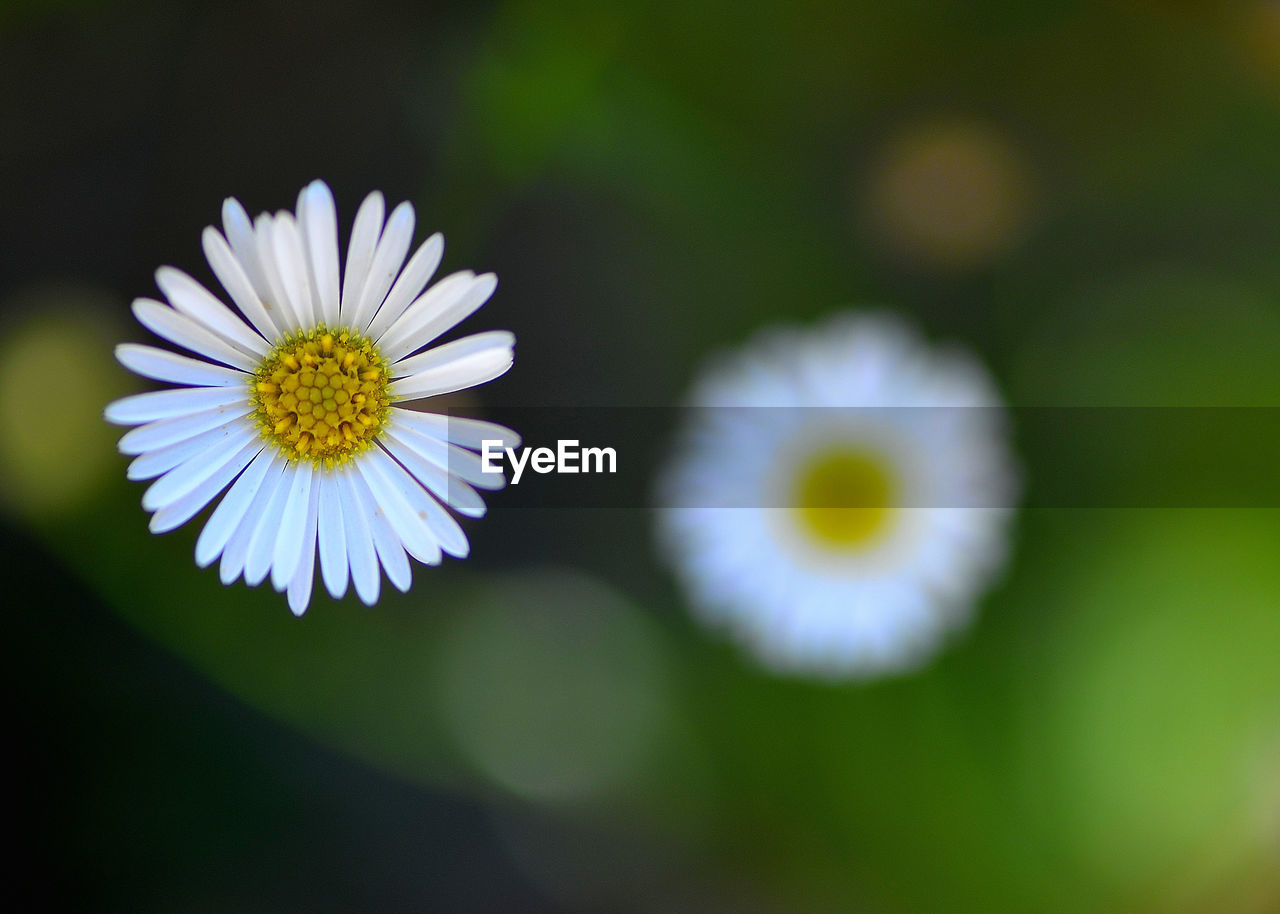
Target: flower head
column 298, row 406
column 838, row 499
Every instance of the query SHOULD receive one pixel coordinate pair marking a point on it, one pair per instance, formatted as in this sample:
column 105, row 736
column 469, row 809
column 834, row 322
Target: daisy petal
column 458, row 374
column 477, row 343
column 388, row 257
column 320, row 228
column 419, row 311
column 409, row 286
column 444, row 315
column 288, row 544
column 183, row 331
column 264, row 242
column 163, row 365
column 198, row 303
column 364, row 238
column 333, row 539
column 231, row 510
column 304, row 577
column 165, row 404
column 155, row 435
column 153, row 463
column 262, row 543
column 464, row 464
column 291, row 261
column 395, row 561
column 360, row 550
column 436, row 311
column 230, row 272
column 237, row 548
column 188, row 475
column 444, row 529
column 178, row 512
column 454, row 492
column 453, row 539
column 240, row 235
column 387, row 483
column 468, row 433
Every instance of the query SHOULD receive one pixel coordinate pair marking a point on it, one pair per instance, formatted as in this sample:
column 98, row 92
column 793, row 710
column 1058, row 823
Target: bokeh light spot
column 54, row 381
column 948, row 195
column 555, row 688
column 1162, row 677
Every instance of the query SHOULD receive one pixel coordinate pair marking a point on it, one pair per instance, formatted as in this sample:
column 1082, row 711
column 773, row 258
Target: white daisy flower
column 298, row 406
column 839, row 498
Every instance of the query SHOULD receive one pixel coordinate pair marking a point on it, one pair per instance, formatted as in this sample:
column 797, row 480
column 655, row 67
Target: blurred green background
column 1085, row 193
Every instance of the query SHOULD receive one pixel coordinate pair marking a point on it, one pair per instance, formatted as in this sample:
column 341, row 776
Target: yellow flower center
column 322, row 395
column 843, row 498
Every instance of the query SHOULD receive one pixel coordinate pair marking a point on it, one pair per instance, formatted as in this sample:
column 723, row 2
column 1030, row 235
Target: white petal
column 231, row 510
column 237, row 549
column 459, row 374
column 461, row 497
column 468, row 433
column 165, row 404
column 163, row 365
column 443, row 527
column 289, row 545
column 436, row 318
column 239, row 231
column 231, row 273
column 318, row 219
column 183, row 331
column 264, row 240
column 395, row 561
column 364, row 239
column 456, row 493
column 155, row 435
column 198, row 303
column 185, row 477
column 393, row 490
column 262, row 545
column 456, row 461
column 475, row 344
column 291, row 261
column 435, row 311
column 388, row 257
column 410, row 284
column 177, row 513
column 304, row 576
column 333, row 539
column 360, row 549
column 153, row 463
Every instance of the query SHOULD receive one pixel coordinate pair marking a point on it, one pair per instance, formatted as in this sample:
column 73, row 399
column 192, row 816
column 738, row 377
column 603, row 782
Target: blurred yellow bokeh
column 948, row 194
column 56, row 449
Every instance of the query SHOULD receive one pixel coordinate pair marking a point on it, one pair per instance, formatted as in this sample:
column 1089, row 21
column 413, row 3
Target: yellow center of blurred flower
column 843, row 498
column 322, row 395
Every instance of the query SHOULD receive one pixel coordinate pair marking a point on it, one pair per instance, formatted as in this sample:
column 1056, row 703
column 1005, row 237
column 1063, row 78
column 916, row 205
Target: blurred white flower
column 296, row 408
column 839, row 497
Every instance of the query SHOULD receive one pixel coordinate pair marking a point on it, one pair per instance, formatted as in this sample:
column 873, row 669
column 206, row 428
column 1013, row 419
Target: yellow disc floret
column 322, row 395
column 844, row 498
